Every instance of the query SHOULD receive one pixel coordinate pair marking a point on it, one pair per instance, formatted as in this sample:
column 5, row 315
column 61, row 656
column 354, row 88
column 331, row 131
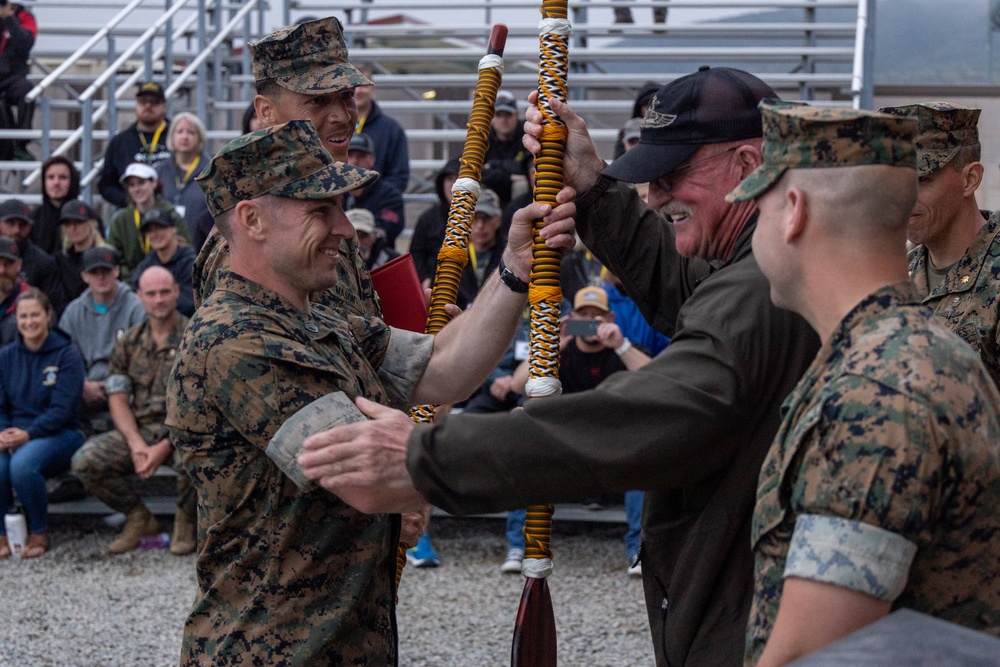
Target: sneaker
column 635, row 567
column 423, row 555
column 512, row 563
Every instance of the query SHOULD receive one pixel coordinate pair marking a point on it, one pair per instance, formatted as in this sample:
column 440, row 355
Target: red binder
column 402, row 297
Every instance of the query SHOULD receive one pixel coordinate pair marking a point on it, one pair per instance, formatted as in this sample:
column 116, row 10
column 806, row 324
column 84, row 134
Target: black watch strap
column 508, row 278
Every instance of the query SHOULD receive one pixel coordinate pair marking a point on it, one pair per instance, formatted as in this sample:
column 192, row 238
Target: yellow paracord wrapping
column 454, row 250
column 544, row 294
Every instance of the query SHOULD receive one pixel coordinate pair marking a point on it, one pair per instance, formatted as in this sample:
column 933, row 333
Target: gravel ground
column 79, row 607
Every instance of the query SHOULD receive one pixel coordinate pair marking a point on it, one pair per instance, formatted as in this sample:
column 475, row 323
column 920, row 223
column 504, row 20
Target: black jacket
column 17, row 36
column 386, row 204
column 46, row 232
column 39, row 270
column 124, row 149
column 690, row 428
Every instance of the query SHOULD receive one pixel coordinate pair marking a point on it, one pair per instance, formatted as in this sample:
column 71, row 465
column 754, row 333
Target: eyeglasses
column 666, row 182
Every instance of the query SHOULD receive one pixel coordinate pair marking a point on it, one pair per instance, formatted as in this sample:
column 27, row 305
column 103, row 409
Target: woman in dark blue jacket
column 41, row 381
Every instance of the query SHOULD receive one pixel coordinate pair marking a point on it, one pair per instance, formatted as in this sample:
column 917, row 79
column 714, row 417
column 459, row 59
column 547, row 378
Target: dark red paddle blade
column 535, row 629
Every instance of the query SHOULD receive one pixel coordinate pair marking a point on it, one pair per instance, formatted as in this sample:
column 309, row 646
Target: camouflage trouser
column 104, row 465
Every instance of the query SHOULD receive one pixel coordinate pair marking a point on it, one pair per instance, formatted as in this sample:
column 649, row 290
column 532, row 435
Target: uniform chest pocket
column 777, row 475
column 312, row 369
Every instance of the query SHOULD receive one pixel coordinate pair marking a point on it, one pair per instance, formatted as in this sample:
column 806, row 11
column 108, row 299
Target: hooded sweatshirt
column 95, row 333
column 40, row 390
column 46, row 232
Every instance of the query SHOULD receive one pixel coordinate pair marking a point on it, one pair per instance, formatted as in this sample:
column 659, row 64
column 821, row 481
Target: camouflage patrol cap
column 308, row 58
column 942, row 130
column 799, row 136
column 286, row 160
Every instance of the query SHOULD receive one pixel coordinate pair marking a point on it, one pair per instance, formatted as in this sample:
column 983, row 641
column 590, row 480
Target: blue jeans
column 633, row 516
column 26, row 470
column 515, row 529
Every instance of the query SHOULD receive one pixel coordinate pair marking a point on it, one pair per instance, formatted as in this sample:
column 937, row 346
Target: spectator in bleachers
column 518, row 202
column 60, row 183
column 41, row 379
column 144, row 190
column 579, row 269
column 143, row 141
column 374, row 248
column 38, row 267
column 484, row 248
column 585, row 362
column 95, row 320
column 506, row 160
column 136, row 388
column 11, row 286
column 392, row 156
column 428, row 234
column 186, row 141
column 18, row 30
column 166, row 250
column 381, row 197
column 80, row 225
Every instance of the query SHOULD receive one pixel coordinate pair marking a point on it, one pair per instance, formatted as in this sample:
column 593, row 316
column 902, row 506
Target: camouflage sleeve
column 404, row 363
column 875, row 457
column 118, row 381
column 851, row 554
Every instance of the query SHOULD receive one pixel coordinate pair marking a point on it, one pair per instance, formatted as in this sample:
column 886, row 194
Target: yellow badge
column 51, row 374
column 964, row 279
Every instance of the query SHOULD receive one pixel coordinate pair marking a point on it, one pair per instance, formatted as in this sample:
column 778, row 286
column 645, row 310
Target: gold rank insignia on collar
column 964, row 279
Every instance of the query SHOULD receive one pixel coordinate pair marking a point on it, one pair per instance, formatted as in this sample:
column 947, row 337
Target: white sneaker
column 635, row 569
column 512, row 563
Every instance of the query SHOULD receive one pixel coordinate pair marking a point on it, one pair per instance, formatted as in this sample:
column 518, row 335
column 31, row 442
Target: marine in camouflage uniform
column 287, row 573
column 884, row 477
column 139, row 369
column 309, row 59
column 965, row 290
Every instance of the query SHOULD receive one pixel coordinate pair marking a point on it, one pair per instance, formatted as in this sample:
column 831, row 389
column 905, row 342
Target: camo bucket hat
column 286, row 160
column 799, row 136
column 942, row 130
column 308, row 58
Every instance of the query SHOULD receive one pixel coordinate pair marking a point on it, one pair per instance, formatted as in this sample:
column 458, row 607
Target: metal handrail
column 82, row 51
column 581, row 4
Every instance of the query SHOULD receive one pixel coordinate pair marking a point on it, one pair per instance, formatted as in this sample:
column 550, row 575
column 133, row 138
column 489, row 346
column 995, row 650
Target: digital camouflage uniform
column 884, row 477
column 140, row 369
column 287, row 573
column 968, row 299
column 309, row 58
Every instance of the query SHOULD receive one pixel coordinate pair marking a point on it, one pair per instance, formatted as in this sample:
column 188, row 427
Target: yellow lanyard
column 149, row 148
column 187, row 175
column 143, row 241
column 472, row 260
column 361, row 124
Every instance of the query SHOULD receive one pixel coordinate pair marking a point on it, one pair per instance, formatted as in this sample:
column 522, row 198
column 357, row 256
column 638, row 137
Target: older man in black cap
column 39, row 267
column 145, row 141
column 697, row 420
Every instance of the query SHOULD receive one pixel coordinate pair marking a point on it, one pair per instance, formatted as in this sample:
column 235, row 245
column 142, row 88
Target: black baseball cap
column 155, row 216
column 712, row 106
column 363, row 143
column 9, row 249
column 15, row 208
column 151, row 88
column 100, row 257
column 75, row 209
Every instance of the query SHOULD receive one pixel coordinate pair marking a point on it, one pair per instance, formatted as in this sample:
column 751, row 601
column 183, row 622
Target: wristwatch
column 508, row 278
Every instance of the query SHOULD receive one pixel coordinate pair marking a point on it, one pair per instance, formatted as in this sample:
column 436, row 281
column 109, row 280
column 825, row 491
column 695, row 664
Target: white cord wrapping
column 467, row 185
column 491, row 60
column 536, row 568
column 560, row 27
column 542, row 387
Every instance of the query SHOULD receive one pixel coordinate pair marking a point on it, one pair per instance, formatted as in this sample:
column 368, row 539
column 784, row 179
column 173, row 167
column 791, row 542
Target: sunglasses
column 666, row 182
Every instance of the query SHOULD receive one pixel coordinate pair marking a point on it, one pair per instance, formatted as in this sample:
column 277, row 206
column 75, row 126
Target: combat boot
column 183, row 541
column 139, row 523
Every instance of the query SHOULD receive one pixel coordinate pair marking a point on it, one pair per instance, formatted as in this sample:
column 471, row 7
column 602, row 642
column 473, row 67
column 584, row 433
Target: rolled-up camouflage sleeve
column 405, row 361
column 874, row 459
column 118, row 381
column 852, row 554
